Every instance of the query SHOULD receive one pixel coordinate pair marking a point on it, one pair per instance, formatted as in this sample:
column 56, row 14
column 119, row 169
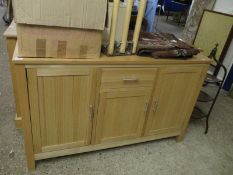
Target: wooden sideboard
column 71, row 106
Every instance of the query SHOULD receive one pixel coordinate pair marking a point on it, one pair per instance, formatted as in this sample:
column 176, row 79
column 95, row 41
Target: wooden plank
column 98, row 73
column 11, row 42
column 112, row 61
column 11, row 31
column 138, row 25
column 124, row 60
column 64, row 71
column 192, row 103
column 102, row 146
column 126, row 25
column 63, row 146
column 34, row 108
column 24, row 106
column 113, row 26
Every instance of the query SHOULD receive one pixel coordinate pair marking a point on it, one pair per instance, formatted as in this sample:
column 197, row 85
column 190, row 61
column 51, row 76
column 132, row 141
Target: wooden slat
column 126, row 25
column 63, row 71
column 192, row 103
column 34, row 109
column 138, row 25
column 11, row 31
column 27, row 129
column 105, row 60
column 102, row 146
column 11, row 42
column 113, row 26
column 62, row 146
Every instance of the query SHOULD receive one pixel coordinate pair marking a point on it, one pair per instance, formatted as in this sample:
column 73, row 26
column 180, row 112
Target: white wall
column 226, row 6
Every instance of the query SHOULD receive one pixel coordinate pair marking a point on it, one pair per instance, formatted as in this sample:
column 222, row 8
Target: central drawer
column 127, row 77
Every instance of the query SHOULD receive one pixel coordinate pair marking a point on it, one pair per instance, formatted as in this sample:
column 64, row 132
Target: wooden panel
column 11, row 31
column 34, row 109
column 115, row 60
column 89, row 148
column 121, row 114
column 60, row 109
column 26, row 122
column 193, row 101
column 49, row 71
column 127, row 77
column 173, row 95
column 11, row 42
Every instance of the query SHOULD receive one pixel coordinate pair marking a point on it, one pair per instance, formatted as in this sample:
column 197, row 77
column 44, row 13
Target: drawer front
column 127, row 77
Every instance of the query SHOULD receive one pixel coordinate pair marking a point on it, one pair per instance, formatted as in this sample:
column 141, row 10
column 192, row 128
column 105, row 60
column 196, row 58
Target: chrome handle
column 155, row 106
column 91, row 108
column 146, row 107
column 130, row 79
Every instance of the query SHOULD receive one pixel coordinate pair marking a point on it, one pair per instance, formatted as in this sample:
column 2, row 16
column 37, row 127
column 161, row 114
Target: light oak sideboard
column 71, row 106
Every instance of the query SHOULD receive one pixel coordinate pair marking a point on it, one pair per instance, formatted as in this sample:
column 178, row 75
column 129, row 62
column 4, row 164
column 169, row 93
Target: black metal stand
column 205, row 97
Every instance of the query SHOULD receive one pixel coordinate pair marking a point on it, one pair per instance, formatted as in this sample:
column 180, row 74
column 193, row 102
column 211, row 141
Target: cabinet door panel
column 60, row 109
column 121, row 114
column 173, row 95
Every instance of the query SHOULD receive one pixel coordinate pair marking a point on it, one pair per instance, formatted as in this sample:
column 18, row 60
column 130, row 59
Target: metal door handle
column 91, row 108
column 146, row 107
column 130, row 79
column 155, row 106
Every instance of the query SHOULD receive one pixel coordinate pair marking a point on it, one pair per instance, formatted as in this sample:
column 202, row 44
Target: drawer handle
column 132, row 79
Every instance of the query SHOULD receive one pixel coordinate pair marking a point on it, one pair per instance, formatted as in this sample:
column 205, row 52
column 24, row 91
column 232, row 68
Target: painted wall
column 226, row 6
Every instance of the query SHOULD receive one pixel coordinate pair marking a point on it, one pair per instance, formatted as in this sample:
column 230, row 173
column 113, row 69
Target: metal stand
column 8, row 16
column 206, row 98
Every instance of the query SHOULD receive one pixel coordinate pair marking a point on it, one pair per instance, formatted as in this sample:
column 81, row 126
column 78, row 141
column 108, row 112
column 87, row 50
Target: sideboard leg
column 31, row 164
column 180, row 138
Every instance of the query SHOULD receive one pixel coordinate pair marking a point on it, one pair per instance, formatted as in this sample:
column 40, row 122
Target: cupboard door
column 121, row 114
column 60, row 99
column 173, row 99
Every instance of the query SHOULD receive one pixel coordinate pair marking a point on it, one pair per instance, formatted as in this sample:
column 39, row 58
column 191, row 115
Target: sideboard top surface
column 113, row 60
